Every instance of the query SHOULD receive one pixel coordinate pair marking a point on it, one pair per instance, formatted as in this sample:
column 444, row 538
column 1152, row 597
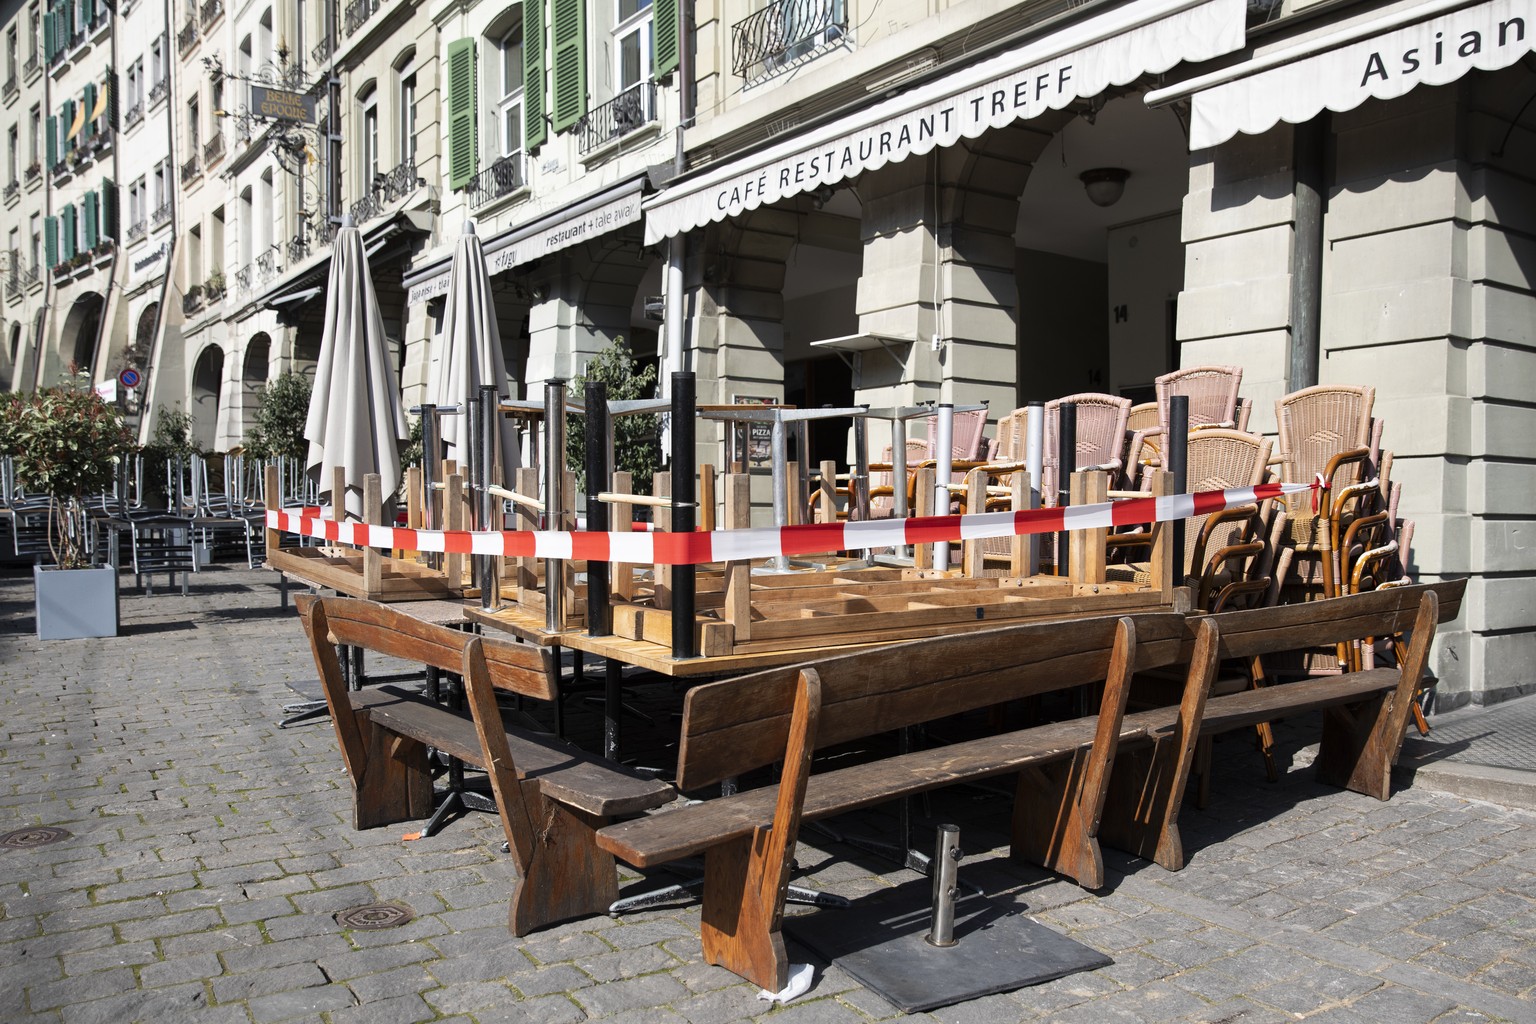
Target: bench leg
column 567, row 876
column 395, row 783
column 1141, row 814
column 1049, row 827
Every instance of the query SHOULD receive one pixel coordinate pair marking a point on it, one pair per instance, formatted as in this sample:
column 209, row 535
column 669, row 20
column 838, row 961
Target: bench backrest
column 518, row 668
column 1336, row 620
column 736, row 725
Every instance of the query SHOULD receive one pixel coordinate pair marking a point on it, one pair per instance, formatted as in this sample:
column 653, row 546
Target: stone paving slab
column 210, row 851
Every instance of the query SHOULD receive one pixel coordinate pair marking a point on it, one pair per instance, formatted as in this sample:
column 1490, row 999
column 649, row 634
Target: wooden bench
column 1366, row 712
column 551, row 796
column 784, row 715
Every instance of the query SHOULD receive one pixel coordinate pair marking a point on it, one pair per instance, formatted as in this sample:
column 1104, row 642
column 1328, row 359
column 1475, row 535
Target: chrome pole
column 554, row 511
column 944, row 457
column 945, row 870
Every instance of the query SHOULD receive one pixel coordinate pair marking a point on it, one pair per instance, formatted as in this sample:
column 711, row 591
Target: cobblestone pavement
column 209, row 852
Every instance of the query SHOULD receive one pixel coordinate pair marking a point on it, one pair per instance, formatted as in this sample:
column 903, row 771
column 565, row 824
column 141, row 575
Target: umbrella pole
column 429, row 464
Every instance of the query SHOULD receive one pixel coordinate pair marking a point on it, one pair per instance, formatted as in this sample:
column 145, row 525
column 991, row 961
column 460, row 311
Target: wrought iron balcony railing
column 158, row 90
column 242, row 279
column 13, row 283
column 502, row 177
column 785, row 32
column 34, row 172
column 162, row 214
column 13, row 189
column 213, row 149
column 322, row 50
column 187, row 36
column 138, row 229
column 134, row 114
column 31, row 67
column 396, row 184
column 266, row 265
column 211, row 10
column 12, row 87
column 357, row 14
column 191, row 169
column 633, row 108
column 192, row 300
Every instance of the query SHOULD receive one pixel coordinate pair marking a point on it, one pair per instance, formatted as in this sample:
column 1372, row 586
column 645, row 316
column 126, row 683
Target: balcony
column 102, row 19
column 12, row 190
column 187, row 37
column 784, row 33
column 31, row 67
column 137, row 230
column 158, row 90
column 387, row 188
column 323, row 49
column 191, row 169
column 211, row 10
column 243, row 280
column 502, row 177
column 357, row 14
column 309, row 241
column 633, row 108
column 266, row 265
column 34, row 171
column 12, row 89
column 62, row 169
column 13, row 283
column 133, row 115
column 192, row 300
column 213, row 149
column 213, row 288
column 162, row 214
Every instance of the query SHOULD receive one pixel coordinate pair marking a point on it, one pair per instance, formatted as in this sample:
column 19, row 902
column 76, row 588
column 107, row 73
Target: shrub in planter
column 68, row 443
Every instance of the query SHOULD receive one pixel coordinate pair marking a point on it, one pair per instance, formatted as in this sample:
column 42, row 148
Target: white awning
column 595, row 215
column 1431, row 43
column 1081, row 60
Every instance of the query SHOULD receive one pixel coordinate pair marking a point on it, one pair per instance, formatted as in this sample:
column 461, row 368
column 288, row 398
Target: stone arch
column 206, row 395
column 81, row 331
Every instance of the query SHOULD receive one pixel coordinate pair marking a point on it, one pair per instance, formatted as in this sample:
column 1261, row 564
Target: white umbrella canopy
column 468, row 352
column 355, row 420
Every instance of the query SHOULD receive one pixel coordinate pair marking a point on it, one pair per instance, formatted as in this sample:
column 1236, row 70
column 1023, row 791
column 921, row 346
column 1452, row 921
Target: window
column 161, row 197
column 12, row 145
column 245, row 225
column 37, row 241
column 405, row 71
column 243, row 61
column 368, row 144
column 33, row 19
column 193, row 126
column 506, row 134
column 156, row 62
column 133, row 83
column 12, row 51
column 632, row 43
column 34, row 132
column 138, row 203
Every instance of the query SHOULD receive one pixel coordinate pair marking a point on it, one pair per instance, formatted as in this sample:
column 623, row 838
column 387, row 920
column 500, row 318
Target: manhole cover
column 26, row 838
column 376, row 915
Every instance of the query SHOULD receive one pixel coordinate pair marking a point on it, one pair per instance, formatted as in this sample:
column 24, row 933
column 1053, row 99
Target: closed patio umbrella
column 355, row 420
column 468, row 352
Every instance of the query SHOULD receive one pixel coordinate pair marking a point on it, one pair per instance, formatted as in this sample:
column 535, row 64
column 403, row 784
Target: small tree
column 68, row 445
column 279, row 428
column 636, row 439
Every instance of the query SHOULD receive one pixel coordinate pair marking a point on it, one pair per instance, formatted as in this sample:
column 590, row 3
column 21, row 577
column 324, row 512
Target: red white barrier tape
column 771, row 541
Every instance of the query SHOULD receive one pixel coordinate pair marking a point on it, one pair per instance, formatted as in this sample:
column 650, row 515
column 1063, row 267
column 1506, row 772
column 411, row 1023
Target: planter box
column 75, row 603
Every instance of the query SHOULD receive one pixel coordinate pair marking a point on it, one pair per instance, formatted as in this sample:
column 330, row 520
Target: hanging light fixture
column 1104, row 185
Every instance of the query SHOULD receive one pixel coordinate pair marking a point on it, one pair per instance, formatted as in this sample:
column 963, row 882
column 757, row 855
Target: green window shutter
column 569, row 46
column 111, row 86
column 50, row 37
column 69, row 122
column 91, row 214
column 667, row 38
column 88, row 128
column 87, row 11
column 535, row 123
column 463, row 114
column 51, row 241
column 52, row 141
column 109, row 209
column 67, row 230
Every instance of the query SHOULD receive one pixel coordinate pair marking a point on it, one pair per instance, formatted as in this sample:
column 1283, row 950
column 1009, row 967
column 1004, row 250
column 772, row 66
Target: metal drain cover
column 27, row 838
column 376, row 915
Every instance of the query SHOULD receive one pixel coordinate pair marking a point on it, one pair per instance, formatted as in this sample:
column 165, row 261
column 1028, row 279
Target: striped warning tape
column 772, row 541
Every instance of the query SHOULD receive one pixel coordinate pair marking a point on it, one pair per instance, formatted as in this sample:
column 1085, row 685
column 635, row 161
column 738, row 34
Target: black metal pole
column 598, row 612
column 1066, row 465
column 1178, row 465
column 683, row 516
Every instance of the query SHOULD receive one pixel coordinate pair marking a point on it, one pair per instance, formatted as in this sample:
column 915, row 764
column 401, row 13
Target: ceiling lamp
column 1104, row 185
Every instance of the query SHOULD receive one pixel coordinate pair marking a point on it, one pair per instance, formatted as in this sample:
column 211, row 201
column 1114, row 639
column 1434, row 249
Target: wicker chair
column 1101, row 421
column 1325, row 432
column 1143, row 442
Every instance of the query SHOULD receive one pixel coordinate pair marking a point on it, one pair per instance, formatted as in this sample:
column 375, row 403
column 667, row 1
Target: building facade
column 824, row 202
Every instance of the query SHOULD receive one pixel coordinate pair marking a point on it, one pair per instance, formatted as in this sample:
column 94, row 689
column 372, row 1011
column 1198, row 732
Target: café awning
column 1047, row 72
column 1378, row 57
